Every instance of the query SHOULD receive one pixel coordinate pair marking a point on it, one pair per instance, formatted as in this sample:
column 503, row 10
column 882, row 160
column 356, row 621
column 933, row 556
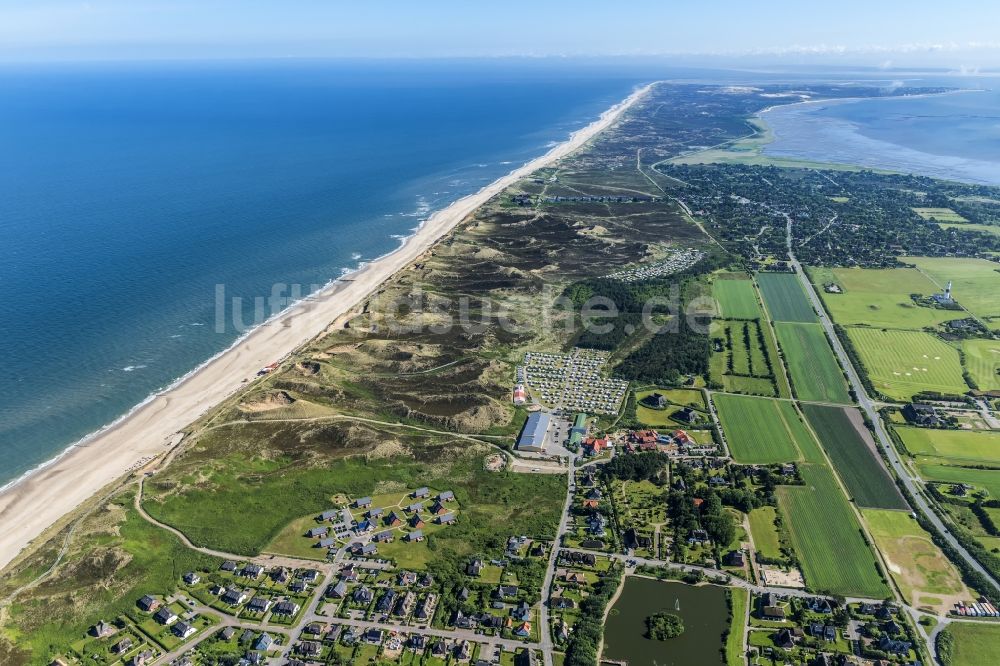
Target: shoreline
column 32, row 503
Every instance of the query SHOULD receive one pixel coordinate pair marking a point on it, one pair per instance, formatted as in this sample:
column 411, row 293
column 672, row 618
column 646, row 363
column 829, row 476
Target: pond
column 703, row 609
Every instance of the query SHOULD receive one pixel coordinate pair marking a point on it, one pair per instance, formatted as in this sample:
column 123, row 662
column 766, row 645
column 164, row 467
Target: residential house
column 416, row 507
column 228, row 566
column 148, row 604
column 446, row 519
column 234, row 597
column 446, row 496
column 415, row 535
column 259, row 604
column 523, row 630
column 191, row 578
column 317, row 532
column 183, row 630
column 416, row 521
column 475, row 567
column 264, row 642
column 363, row 595
column 386, row 602
column 103, row 630
column 374, row 636
column 425, row 609
column 252, row 571
column 421, row 493
column 404, row 606
column 329, row 514
column 286, row 608
column 338, row 591
column 363, row 502
column 383, row 537
column 394, row 520
column 165, row 616
column 407, row 578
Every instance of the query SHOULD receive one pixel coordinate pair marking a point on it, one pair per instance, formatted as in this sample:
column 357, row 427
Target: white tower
column 947, row 291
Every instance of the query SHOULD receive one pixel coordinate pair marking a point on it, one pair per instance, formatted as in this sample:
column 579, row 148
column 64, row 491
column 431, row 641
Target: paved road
column 868, row 406
column 544, row 621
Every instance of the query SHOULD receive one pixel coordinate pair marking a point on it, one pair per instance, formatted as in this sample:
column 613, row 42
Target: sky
column 887, row 33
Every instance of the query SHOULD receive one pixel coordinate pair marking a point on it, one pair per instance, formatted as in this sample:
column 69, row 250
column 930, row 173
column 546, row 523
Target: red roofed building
column 683, row 438
column 520, row 395
column 593, row 446
column 698, row 502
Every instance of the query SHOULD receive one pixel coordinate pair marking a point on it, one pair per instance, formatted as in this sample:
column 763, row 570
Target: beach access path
column 38, row 501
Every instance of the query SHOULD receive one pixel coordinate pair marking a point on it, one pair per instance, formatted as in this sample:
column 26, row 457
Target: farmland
column 761, row 430
column 854, row 459
column 878, row 297
column 736, row 297
column 939, row 214
column 982, row 360
column 983, row 228
column 816, row 375
column 903, row 363
column 785, row 298
column 988, row 479
column 923, row 573
column 741, row 363
column 960, row 446
column 827, row 537
column 976, row 282
column 975, row 643
column 765, row 533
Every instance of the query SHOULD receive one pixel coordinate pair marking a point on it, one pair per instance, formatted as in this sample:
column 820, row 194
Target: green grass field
column 959, row 446
column 815, row 373
column 739, row 600
column 878, row 297
column 989, row 479
column 993, row 229
column 923, row 573
column 982, row 360
column 764, row 532
column 939, row 214
column 976, row 643
column 827, row 537
column 861, row 471
column 761, row 430
column 976, row 281
column 902, row 363
column 785, row 298
column 736, row 297
column 741, row 367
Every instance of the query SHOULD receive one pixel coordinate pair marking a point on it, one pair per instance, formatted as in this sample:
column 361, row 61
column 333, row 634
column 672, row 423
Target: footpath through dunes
column 764, row 430
column 851, row 448
column 785, row 299
column 827, row 537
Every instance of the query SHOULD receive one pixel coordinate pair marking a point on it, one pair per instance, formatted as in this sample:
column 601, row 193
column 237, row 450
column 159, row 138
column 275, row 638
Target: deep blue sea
column 127, row 193
column 953, row 136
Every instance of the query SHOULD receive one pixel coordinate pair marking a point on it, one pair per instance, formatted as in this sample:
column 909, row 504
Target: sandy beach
column 30, row 506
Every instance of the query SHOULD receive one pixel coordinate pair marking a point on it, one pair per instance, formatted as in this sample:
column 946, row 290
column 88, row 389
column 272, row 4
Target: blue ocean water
column 128, row 192
column 952, row 136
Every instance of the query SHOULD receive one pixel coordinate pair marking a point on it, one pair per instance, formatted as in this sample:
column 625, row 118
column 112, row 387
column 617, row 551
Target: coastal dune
column 39, row 500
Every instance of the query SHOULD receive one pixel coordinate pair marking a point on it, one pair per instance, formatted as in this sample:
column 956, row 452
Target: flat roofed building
column 535, row 433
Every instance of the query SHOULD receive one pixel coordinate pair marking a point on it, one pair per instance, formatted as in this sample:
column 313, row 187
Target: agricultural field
column 740, row 361
column 986, row 479
column 976, row 282
column 939, row 214
column 842, row 434
column 816, row 375
column 903, row 363
column 736, row 297
column 982, row 228
column 827, row 537
column 784, row 297
column 761, row 430
column 765, row 532
column 958, row 446
column 982, row 360
column 922, row 572
column 879, row 297
column 975, row 643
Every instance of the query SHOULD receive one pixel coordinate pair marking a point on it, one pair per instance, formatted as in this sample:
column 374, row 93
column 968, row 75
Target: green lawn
column 988, row 479
column 959, row 446
column 815, row 373
column 736, row 297
column 761, row 430
column 976, row 643
column 982, row 360
column 903, row 363
column 765, row 532
column 861, row 470
column 918, row 566
column 878, row 297
column 785, row 298
column 827, row 537
column 939, row 214
column 739, row 599
column 993, row 229
column 976, row 282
